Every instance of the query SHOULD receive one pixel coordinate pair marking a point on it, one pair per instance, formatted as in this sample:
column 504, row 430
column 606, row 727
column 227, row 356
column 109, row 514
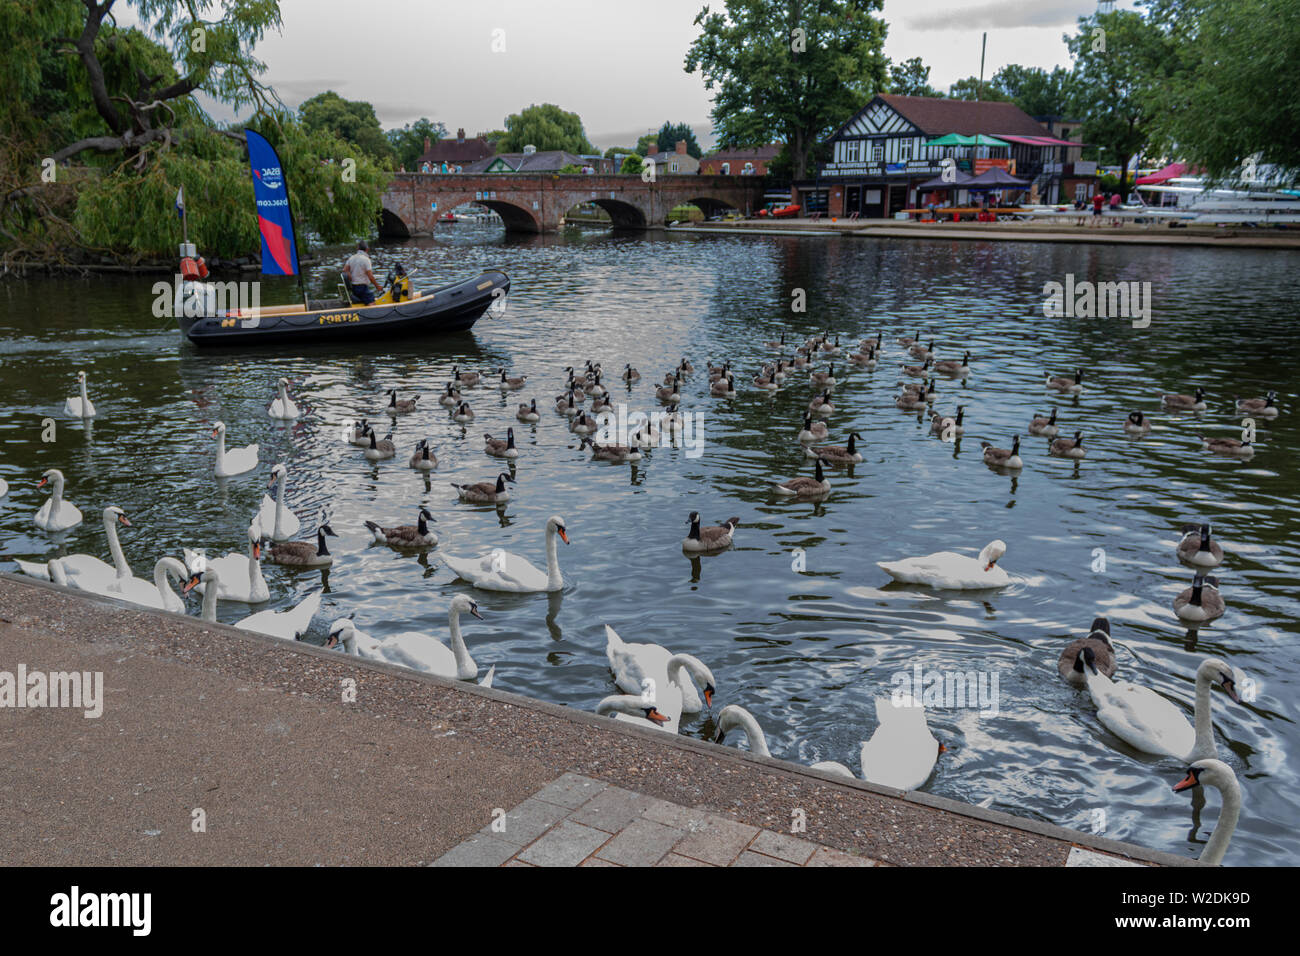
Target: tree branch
column 85, row 45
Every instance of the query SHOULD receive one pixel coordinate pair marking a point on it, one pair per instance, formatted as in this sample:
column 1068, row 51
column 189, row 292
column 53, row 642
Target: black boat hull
column 450, row 308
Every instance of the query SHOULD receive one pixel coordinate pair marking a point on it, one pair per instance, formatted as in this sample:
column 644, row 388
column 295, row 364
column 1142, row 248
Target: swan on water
column 505, row 571
column 947, row 570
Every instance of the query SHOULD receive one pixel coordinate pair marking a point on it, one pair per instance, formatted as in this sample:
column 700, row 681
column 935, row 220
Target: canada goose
column 713, row 538
column 1201, row 602
column 917, row 371
column 1069, row 447
column 803, row 486
column 779, row 373
column 669, row 376
column 360, row 435
column 450, row 398
column 574, row 378
column 1046, row 427
column 584, row 424
column 594, row 388
column 946, row 424
column 565, row 405
column 600, row 403
column 670, row 392
column 718, row 371
column 529, row 413
column 80, row 406
column 923, row 389
column 813, row 431
column 1003, row 457
column 952, row 367
column 510, row 384
column 870, row 346
column 464, row 378
column 418, row 535
column 1228, row 446
column 381, row 448
column 1259, row 407
column 1219, row 775
column 424, row 459
column 1197, row 548
column 1071, row 386
column 799, row 361
column 1189, row 403
column 618, row 453
column 837, row 454
column 866, row 358
column 823, row 378
column 909, row 340
column 777, row 345
column 463, row 414
column 685, row 367
column 630, row 374
column 282, row 407
column 671, row 419
column 1137, row 424
column 398, row 406
column 1103, row 654
column 766, row 379
column 911, row 402
column 917, row 350
column 304, row 554
column 497, row 448
column 723, row 387
column 485, row 492
column 822, row 405
column 646, row 436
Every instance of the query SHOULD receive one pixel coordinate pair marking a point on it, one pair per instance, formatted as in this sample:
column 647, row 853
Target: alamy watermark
column 1098, row 300
column 659, row 429
column 947, row 689
column 180, row 297
column 79, row 690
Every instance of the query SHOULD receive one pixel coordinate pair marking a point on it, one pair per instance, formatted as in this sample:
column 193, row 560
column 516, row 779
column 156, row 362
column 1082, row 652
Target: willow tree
column 788, row 70
column 97, row 164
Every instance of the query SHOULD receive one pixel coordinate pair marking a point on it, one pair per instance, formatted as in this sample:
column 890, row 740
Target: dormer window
column 877, row 152
column 851, row 151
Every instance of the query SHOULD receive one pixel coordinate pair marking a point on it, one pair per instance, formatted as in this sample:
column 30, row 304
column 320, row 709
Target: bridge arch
column 403, row 222
column 622, row 214
column 713, row 205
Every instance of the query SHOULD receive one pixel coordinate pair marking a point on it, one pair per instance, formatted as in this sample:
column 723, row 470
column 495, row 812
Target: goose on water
column 418, row 535
column 713, row 538
column 1103, row 654
column 486, row 492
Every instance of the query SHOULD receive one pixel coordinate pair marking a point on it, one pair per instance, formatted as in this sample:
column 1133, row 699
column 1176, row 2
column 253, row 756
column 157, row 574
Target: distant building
column 535, row 161
column 740, row 162
column 677, row 163
column 1074, row 178
column 454, row 152
column 880, row 156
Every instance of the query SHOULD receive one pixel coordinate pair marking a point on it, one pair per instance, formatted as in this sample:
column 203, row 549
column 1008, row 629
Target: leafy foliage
column 911, row 78
column 669, row 135
column 546, row 127
column 353, row 121
column 408, row 141
column 632, row 165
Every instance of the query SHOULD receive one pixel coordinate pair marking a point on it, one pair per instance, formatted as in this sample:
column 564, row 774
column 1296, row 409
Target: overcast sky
column 617, row 63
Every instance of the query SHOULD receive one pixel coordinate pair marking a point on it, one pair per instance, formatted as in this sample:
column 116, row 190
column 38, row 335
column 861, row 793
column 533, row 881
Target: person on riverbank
column 1097, row 202
column 359, row 274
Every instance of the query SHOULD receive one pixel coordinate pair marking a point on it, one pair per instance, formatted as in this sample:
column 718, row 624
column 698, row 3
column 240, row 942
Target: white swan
column 84, row 569
column 4, row 487
column 158, row 595
column 80, row 406
column 734, row 717
column 236, row 461
column 54, row 572
column 655, row 673
column 901, row 753
column 240, row 575
column 1217, row 774
column 288, row 625
column 275, row 514
column 948, row 570
column 417, row 651
column 1152, row 724
column 282, row 406
column 504, row 571
column 632, row 709
column 56, row 514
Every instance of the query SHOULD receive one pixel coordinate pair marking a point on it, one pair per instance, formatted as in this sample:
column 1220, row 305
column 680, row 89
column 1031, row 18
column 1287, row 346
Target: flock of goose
column 659, row 686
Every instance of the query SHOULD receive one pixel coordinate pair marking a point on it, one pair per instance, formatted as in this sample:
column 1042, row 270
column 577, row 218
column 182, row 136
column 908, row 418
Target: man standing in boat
column 359, row 274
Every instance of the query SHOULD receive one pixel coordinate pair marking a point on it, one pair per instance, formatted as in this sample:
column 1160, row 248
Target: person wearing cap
column 359, row 273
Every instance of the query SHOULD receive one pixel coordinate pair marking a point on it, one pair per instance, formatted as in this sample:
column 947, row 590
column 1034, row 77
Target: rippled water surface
column 807, row 651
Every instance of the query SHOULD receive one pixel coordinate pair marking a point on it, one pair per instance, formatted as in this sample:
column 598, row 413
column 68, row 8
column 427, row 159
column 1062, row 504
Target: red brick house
column 458, row 151
column 740, row 162
column 677, row 163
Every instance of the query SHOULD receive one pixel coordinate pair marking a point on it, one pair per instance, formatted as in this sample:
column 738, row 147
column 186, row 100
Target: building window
column 877, row 152
column 905, row 150
column 748, row 170
column 851, row 154
column 726, row 169
column 673, row 167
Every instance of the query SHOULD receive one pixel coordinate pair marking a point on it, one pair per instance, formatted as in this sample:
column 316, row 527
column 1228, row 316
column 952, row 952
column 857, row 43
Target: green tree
column 1120, row 64
column 496, row 139
column 619, row 151
column 1036, row 91
column 632, row 166
column 546, row 127
column 971, row 89
column 788, row 70
column 911, row 78
column 1231, row 83
column 407, row 142
column 643, row 144
column 352, row 121
column 669, row 135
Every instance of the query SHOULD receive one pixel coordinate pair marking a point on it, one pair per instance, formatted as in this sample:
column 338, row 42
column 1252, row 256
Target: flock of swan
column 659, row 686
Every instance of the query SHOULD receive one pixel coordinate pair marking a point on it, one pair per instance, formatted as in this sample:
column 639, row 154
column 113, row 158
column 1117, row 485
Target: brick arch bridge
column 535, row 202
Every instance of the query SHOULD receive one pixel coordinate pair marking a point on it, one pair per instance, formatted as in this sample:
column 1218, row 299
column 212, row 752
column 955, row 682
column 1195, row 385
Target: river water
column 806, row 651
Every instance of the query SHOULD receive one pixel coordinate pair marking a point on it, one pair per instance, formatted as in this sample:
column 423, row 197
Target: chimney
column 653, row 150
column 426, row 144
column 681, row 147
column 460, row 135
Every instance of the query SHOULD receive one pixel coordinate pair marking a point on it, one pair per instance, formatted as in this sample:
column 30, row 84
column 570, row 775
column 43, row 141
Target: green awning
column 960, row 139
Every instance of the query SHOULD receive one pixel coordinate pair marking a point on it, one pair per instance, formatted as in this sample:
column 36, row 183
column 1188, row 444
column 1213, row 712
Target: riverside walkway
column 261, row 741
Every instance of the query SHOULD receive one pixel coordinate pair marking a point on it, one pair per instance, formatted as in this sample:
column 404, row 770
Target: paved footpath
column 259, row 741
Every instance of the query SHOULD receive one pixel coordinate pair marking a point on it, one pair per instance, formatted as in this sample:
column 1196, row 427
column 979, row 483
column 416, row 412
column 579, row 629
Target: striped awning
column 1040, row 140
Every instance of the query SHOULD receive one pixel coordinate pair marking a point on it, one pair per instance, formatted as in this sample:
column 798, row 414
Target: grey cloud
column 1005, row 14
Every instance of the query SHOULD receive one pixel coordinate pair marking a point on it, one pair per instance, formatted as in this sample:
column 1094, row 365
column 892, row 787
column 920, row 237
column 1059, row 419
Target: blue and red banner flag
column 271, row 193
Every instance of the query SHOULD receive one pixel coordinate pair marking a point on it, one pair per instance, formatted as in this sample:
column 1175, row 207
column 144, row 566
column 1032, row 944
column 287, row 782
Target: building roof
column 457, row 149
column 935, row 116
column 547, row 160
column 756, row 154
